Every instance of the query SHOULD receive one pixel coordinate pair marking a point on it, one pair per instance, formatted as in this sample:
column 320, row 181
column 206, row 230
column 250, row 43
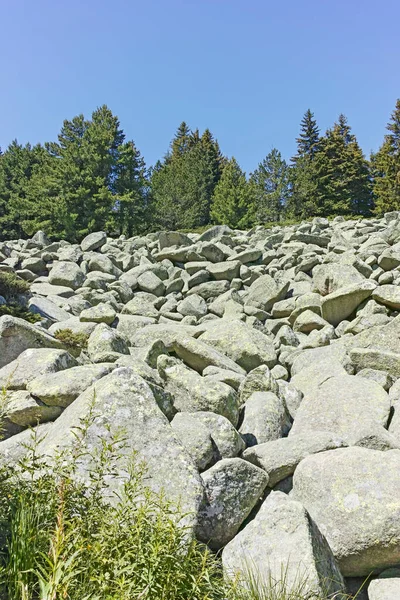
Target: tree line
column 93, row 178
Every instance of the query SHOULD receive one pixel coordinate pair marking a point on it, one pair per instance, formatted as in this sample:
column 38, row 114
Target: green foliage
column 16, row 310
column 386, row 168
column 308, row 140
column 182, row 186
column 74, row 342
column 343, row 179
column 233, row 199
column 90, row 179
column 12, row 286
column 271, row 187
column 302, row 201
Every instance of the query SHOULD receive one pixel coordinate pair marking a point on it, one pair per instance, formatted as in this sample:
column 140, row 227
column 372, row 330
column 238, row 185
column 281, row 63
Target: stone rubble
column 257, row 374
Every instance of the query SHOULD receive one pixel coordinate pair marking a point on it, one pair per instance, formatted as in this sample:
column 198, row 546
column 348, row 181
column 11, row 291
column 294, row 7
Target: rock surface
column 246, row 356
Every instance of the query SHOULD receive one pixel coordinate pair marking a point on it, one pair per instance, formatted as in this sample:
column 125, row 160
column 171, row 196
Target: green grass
column 61, row 540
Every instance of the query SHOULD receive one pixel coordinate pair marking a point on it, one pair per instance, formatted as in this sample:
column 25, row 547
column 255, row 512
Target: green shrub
column 11, row 285
column 74, row 342
column 61, row 540
column 16, row 310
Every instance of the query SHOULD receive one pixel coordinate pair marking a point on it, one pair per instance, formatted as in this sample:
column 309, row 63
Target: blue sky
column 247, row 69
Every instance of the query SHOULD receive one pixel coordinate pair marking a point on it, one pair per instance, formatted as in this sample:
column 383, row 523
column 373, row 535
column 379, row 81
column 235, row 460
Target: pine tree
column 72, row 193
column 386, row 168
column 343, row 178
column 303, row 201
column 307, row 142
column 181, row 142
column 182, row 186
column 130, row 189
column 17, row 165
column 232, row 202
column 270, row 184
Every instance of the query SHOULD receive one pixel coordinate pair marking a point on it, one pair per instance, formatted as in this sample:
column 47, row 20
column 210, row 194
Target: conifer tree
column 181, row 141
column 307, row 142
column 232, row 202
column 343, row 178
column 183, row 185
column 303, row 201
column 270, row 185
column 17, row 165
column 386, row 167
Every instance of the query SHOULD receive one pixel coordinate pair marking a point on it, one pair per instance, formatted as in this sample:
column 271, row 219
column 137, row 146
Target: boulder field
column 256, row 373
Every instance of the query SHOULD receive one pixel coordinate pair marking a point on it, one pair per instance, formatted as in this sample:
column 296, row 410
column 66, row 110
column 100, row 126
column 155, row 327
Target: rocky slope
column 257, row 374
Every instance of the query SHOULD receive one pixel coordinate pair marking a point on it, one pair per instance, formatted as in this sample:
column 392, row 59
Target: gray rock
column 198, row 355
column 386, row 586
column 106, row 344
column 193, row 305
column 342, row 303
column 282, row 542
column 31, row 363
column 62, row 388
column 246, row 346
column 227, row 442
column 351, row 494
column 232, row 488
column 195, row 437
column 94, row 241
column 25, row 411
column 342, row 404
column 331, row 277
column 265, row 291
column 389, row 295
column 192, row 393
column 101, row 313
column 265, row 419
column 279, row 458
column 66, row 274
column 47, row 309
column 123, row 401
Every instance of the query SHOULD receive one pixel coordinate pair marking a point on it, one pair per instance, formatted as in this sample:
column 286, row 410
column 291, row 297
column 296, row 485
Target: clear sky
column 247, row 69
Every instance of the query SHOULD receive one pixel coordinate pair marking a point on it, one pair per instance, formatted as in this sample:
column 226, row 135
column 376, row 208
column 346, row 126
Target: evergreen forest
column 93, row 178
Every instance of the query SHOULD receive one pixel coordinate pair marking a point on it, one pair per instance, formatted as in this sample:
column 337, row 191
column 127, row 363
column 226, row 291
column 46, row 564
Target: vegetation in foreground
column 61, row 540
column 92, row 179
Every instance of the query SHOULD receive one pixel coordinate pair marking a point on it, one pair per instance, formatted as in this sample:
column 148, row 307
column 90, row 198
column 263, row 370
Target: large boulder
column 245, row 345
column 283, row 548
column 193, row 393
column 17, row 335
column 122, row 403
column 31, row 363
column 63, row 387
column 67, row 274
column 342, row 303
column 265, row 291
column 279, row 458
column 343, row 404
column 353, row 496
column 232, row 488
column 265, row 418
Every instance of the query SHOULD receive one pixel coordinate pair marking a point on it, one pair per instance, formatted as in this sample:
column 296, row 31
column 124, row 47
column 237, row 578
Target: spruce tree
column 17, row 165
column 270, row 184
column 232, row 202
column 343, row 178
column 182, row 186
column 303, row 201
column 130, row 188
column 386, row 168
column 307, row 142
